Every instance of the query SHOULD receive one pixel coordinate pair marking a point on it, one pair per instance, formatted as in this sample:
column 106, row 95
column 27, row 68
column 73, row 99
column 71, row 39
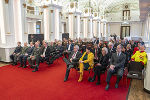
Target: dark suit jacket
column 104, row 60
column 110, row 52
column 96, row 42
column 18, row 49
column 47, row 52
column 98, row 52
column 118, row 62
column 78, row 56
column 30, row 50
column 71, row 47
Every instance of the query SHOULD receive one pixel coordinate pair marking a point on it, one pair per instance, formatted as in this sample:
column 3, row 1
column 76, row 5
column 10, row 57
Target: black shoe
column 24, row 66
column 13, row 64
column 107, row 87
column 116, row 85
column 21, row 65
column 92, row 80
column 32, row 67
column 65, row 79
column 35, row 70
column 98, row 83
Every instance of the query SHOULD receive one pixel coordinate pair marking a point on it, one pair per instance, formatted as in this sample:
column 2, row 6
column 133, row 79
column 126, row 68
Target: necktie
column 73, row 56
column 96, row 53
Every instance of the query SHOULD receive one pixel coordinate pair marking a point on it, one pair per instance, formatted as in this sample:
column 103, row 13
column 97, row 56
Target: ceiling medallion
column 6, row 1
column 126, row 7
column 71, row 5
column 86, row 11
column 24, row 5
column 95, row 14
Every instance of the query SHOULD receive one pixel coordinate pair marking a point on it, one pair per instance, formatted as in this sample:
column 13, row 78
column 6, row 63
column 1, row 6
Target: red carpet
column 47, row 84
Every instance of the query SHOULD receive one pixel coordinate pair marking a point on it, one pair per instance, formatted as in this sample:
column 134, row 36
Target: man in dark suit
column 16, row 53
column 23, row 52
column 23, row 58
column 73, row 60
column 44, row 53
column 69, row 48
column 96, row 41
column 111, row 49
column 116, row 66
column 96, row 53
column 58, row 52
column 34, row 57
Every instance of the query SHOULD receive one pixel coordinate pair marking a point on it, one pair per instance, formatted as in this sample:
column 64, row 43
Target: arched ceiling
column 101, row 6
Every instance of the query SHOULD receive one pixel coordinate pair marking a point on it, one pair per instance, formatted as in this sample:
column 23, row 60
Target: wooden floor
column 135, row 93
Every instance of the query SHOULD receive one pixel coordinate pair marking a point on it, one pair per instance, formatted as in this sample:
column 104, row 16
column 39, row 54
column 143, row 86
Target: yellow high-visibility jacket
column 140, row 57
column 90, row 59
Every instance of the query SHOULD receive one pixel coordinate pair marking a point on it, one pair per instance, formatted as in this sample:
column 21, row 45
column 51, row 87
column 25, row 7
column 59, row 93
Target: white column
column 71, row 25
column 91, row 28
column 18, row 29
column 105, row 34
column 46, row 24
column 78, row 26
column 57, row 24
column 149, row 29
column 2, row 22
column 85, row 26
column 108, row 29
column 99, row 29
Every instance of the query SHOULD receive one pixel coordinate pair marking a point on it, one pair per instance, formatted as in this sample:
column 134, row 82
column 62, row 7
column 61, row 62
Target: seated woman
column 139, row 58
column 86, row 61
column 101, row 66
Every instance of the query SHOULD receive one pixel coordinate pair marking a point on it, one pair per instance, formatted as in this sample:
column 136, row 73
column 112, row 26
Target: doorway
column 125, row 31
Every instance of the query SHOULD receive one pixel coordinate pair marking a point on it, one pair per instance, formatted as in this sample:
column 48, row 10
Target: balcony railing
column 34, row 12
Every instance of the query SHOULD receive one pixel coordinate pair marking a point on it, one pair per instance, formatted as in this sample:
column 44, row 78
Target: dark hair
column 89, row 48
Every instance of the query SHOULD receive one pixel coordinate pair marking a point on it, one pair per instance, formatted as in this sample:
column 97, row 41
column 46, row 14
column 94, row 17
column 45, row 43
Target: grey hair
column 110, row 43
column 106, row 50
column 77, row 47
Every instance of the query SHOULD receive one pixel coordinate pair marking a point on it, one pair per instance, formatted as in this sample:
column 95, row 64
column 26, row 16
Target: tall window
column 126, row 14
column 38, row 27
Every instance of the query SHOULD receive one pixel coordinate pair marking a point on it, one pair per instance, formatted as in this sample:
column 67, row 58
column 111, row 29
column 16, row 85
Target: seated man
column 44, row 53
column 116, row 66
column 16, row 53
column 139, row 58
column 69, row 48
column 58, row 52
column 111, row 49
column 86, row 61
column 73, row 60
column 96, row 53
column 101, row 65
column 23, row 58
column 34, row 57
column 23, row 52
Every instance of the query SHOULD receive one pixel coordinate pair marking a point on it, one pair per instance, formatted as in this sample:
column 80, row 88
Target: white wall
column 135, row 29
column 115, row 28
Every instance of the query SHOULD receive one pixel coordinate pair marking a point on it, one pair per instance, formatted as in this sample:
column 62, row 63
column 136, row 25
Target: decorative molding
column 41, row 13
column 8, row 33
column 72, row 5
column 51, row 11
column 6, row 1
column 24, row 5
column 70, row 13
column 45, row 6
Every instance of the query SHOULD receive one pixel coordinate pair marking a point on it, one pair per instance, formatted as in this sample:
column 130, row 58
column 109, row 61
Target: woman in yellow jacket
column 140, row 56
column 86, row 61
